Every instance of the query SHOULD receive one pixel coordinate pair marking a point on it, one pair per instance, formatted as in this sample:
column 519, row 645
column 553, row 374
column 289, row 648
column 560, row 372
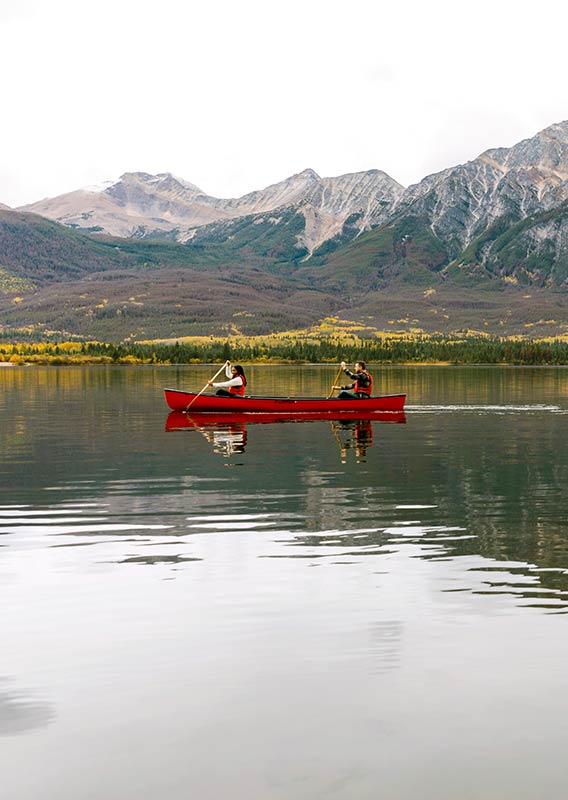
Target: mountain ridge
column 482, row 245
column 142, row 205
column 459, row 202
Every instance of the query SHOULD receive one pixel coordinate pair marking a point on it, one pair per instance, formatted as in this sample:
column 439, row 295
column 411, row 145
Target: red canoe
column 179, row 401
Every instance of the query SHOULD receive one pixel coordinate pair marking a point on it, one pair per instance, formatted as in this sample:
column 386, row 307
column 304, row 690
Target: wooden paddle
column 334, row 387
column 188, row 406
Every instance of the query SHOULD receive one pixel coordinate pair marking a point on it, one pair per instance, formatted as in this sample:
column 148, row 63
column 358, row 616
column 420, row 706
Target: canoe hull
column 179, row 401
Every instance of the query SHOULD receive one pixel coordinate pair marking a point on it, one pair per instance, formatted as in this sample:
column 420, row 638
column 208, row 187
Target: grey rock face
column 458, row 204
column 462, row 202
column 140, row 203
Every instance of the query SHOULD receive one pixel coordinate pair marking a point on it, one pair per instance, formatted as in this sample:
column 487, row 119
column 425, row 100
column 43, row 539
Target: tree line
column 467, row 350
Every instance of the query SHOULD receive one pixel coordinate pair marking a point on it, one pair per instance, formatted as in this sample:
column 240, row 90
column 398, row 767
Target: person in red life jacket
column 362, row 386
column 235, row 386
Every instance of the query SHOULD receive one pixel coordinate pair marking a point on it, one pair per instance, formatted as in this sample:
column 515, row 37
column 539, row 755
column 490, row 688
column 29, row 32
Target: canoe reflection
column 228, row 432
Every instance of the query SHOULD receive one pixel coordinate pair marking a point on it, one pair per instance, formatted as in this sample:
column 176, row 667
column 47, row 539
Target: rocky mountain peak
column 135, row 184
column 558, row 130
column 547, row 150
column 457, row 204
column 461, row 202
column 288, row 192
column 308, row 174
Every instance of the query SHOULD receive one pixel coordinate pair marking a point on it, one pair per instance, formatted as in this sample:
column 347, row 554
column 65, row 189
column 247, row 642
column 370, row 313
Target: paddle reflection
column 227, row 433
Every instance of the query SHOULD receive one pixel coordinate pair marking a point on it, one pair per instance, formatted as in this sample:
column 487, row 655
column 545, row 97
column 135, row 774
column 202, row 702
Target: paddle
column 334, row 387
column 188, row 406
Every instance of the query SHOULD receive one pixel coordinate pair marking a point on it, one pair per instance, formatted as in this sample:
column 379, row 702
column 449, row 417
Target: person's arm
column 348, row 372
column 238, row 381
column 228, row 373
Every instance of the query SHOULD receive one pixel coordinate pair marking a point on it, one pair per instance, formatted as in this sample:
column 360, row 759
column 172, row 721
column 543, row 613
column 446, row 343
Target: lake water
column 294, row 610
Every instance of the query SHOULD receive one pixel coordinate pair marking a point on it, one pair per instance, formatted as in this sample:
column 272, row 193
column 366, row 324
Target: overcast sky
column 234, row 95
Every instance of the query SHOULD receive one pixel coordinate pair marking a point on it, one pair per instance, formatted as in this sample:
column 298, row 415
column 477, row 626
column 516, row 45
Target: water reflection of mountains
column 500, row 479
column 227, row 433
column 511, row 541
column 468, row 562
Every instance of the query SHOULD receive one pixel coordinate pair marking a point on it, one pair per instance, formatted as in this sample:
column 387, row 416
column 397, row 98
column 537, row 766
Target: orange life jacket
column 240, row 390
column 364, row 389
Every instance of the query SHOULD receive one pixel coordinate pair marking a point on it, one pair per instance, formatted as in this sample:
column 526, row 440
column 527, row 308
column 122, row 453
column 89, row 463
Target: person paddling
column 361, row 387
column 235, row 386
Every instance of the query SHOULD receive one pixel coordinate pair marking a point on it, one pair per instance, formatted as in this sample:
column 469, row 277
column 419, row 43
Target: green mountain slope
column 405, row 250
column 532, row 252
column 38, row 250
column 249, row 276
column 53, row 278
column 270, row 239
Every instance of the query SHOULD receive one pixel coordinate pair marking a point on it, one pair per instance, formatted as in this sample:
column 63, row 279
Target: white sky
column 233, row 95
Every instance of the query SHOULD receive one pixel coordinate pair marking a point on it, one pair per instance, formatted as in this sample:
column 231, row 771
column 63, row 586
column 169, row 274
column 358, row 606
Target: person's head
column 236, row 369
column 360, row 366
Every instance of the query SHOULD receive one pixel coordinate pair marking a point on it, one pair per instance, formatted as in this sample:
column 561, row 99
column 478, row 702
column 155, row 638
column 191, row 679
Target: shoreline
column 472, row 351
column 271, row 363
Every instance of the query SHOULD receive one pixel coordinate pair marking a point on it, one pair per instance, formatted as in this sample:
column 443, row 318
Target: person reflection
column 227, row 440
column 354, row 435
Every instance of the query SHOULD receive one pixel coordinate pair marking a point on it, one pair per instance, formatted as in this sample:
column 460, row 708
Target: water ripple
column 533, row 408
column 21, row 712
column 274, row 534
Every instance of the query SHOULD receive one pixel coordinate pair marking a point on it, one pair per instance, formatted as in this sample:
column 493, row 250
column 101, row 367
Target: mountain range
column 140, row 205
column 480, row 245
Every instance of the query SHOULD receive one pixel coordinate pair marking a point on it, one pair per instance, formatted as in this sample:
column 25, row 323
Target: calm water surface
column 292, row 610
